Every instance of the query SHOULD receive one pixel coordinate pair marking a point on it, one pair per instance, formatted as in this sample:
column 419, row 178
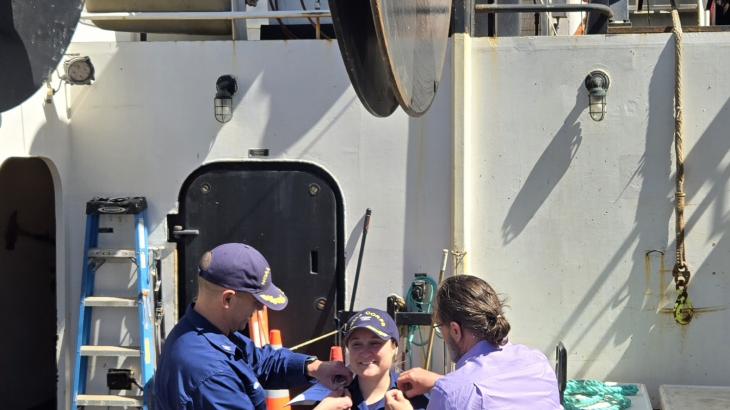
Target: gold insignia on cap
column 267, row 273
column 376, row 331
column 376, row 316
column 277, row 300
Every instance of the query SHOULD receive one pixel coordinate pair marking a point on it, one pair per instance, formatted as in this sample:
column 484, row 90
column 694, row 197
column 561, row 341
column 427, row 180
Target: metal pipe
column 208, row 15
column 462, row 144
column 532, row 8
column 444, row 259
column 365, row 229
column 234, row 29
column 700, row 13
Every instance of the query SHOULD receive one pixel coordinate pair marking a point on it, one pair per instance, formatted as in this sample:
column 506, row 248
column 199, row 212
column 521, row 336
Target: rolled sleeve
column 438, row 399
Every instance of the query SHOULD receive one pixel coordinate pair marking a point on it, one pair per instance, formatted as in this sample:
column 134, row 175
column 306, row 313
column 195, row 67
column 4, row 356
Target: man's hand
column 334, row 375
column 337, row 400
column 417, row 381
column 394, row 400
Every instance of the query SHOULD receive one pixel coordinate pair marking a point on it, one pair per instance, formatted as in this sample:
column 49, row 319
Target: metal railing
column 315, row 15
column 546, row 8
column 207, row 15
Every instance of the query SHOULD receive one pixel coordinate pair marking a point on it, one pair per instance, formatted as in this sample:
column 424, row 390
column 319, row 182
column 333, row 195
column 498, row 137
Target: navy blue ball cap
column 242, row 268
column 376, row 321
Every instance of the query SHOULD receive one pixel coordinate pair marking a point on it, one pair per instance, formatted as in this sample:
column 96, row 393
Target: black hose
column 365, row 227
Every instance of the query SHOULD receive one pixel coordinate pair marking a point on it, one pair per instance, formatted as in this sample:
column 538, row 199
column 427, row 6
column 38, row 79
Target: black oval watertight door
column 290, row 212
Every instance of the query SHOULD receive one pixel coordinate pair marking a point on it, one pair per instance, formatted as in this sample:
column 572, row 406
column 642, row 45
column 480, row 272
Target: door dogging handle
column 178, row 230
column 320, row 304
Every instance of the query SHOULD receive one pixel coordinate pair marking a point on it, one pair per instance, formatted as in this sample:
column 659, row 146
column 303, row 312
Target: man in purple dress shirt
column 491, row 373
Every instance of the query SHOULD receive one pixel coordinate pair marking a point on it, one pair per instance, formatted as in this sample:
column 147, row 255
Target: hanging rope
column 683, row 309
column 458, row 260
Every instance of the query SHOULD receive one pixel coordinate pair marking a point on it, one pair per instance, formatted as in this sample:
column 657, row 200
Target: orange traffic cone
column 276, row 399
column 336, row 354
column 275, row 339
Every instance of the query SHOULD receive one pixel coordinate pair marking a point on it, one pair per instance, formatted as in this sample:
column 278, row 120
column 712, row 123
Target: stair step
column 111, row 253
column 109, row 351
column 108, row 400
column 109, row 301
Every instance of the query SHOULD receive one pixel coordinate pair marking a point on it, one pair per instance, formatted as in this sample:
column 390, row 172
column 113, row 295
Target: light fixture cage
column 226, row 86
column 223, row 109
column 597, row 83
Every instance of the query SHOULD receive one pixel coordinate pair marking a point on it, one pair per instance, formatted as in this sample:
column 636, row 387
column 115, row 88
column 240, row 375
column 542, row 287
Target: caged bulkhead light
column 226, row 86
column 597, row 83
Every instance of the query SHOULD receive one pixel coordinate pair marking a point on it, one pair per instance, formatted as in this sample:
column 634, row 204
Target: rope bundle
column 584, row 394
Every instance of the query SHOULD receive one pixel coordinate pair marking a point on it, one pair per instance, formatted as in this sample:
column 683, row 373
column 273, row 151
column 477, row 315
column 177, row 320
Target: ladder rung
column 108, row 400
column 111, row 253
column 108, row 301
column 110, row 351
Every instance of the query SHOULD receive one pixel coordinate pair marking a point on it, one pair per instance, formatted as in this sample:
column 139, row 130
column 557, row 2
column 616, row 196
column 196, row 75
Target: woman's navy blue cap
column 376, row 321
column 242, row 268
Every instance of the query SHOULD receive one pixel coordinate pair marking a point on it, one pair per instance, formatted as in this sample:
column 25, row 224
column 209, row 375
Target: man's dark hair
column 474, row 305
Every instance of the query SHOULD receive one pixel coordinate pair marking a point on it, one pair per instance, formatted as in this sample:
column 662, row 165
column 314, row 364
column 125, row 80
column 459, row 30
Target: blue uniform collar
column 211, row 333
column 356, row 394
column 418, row 402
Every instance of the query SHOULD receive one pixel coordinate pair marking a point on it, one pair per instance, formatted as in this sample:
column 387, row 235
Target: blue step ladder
column 144, row 303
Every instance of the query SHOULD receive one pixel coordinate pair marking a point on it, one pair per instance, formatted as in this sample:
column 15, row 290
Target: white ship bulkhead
column 568, row 217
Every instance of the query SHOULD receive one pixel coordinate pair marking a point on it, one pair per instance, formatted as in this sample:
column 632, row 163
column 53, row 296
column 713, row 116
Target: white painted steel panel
column 674, row 397
column 566, row 211
column 577, row 224
column 641, row 401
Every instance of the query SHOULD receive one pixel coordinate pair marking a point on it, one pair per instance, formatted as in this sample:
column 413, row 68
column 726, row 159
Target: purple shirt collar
column 481, row 348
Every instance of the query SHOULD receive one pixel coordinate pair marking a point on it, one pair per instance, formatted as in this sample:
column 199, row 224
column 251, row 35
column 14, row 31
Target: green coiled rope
column 583, row 394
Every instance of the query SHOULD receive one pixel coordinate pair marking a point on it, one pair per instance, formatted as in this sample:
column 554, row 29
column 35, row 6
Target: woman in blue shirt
column 371, row 339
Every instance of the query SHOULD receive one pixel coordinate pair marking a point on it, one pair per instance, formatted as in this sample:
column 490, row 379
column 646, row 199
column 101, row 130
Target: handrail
column 207, row 15
column 537, row 8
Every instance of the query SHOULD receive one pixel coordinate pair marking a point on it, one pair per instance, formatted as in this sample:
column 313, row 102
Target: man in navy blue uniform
column 207, row 363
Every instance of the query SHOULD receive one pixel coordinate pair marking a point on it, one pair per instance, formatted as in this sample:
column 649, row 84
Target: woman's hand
column 395, row 400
